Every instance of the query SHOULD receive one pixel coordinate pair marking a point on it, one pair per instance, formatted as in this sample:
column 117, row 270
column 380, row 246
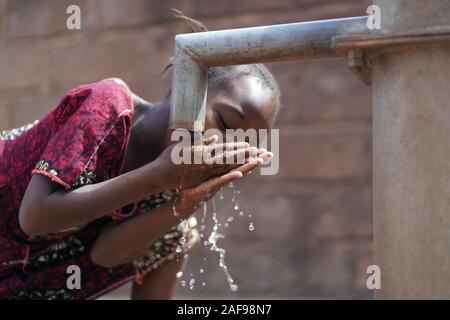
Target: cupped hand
column 217, row 159
column 188, row 200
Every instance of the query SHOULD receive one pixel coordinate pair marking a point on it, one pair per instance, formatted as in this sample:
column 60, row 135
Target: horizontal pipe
column 196, row 52
column 292, row 41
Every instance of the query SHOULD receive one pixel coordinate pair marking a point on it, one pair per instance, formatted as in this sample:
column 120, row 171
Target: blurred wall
column 313, row 229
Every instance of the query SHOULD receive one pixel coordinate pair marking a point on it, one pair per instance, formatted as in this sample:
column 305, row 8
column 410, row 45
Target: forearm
column 60, row 209
column 127, row 240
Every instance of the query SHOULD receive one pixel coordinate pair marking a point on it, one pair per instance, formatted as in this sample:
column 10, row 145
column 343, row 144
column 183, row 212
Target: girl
column 90, row 185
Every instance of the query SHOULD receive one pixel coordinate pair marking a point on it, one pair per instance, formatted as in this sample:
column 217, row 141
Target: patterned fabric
column 81, row 141
column 11, row 134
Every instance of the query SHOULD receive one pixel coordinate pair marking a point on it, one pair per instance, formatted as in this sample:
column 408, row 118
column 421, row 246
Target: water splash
column 214, row 237
column 212, row 242
column 251, row 227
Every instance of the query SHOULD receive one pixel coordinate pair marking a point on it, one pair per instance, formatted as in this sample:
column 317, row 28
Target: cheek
column 256, row 121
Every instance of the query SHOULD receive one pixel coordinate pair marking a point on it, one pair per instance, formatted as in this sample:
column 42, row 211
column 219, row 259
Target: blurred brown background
column 313, row 228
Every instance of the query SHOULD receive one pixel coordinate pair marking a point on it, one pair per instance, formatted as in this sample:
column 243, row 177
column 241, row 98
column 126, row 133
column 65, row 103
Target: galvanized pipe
column 196, row 52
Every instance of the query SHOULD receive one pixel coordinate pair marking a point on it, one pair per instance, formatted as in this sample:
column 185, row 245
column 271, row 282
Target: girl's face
column 245, row 104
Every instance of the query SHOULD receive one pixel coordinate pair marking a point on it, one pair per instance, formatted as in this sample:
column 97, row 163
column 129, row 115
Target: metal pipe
column 196, row 52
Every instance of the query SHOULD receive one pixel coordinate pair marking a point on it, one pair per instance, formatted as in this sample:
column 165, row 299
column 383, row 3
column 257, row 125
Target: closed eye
column 222, row 122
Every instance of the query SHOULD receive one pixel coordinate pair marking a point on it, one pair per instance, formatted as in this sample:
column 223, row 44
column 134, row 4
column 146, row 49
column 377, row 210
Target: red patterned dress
column 81, row 141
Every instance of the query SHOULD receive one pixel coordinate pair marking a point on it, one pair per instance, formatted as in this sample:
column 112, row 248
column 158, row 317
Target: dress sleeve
column 91, row 122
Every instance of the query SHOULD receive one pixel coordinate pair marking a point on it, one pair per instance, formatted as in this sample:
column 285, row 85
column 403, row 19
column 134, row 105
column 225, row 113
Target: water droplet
column 175, row 213
column 233, row 287
column 205, row 211
column 236, row 207
column 179, row 274
column 202, row 227
column 191, row 284
column 203, row 283
column 230, row 219
column 226, row 225
column 241, row 213
column 201, row 270
column 251, row 227
column 183, row 283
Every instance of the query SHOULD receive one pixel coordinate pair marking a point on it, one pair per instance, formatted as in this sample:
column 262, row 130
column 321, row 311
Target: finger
column 246, row 168
column 262, row 150
column 223, row 169
column 237, row 156
column 227, row 146
column 236, row 163
column 266, row 157
column 214, row 184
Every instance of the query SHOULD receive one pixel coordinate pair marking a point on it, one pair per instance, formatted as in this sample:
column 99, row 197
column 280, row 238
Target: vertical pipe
column 411, row 156
column 189, row 82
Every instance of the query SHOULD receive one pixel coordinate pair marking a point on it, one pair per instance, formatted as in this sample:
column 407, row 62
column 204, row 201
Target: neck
column 150, row 133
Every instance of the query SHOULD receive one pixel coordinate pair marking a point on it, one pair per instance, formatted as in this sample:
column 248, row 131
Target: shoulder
column 110, row 97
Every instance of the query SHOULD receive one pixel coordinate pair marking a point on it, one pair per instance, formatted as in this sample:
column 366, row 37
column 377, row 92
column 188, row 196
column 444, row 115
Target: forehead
column 250, row 94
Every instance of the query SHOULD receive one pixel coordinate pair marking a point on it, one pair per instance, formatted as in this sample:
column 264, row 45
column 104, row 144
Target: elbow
column 28, row 222
column 101, row 259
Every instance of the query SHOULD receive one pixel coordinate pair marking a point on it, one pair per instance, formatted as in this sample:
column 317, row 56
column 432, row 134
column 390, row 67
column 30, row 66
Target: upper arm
column 89, row 131
column 34, row 202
